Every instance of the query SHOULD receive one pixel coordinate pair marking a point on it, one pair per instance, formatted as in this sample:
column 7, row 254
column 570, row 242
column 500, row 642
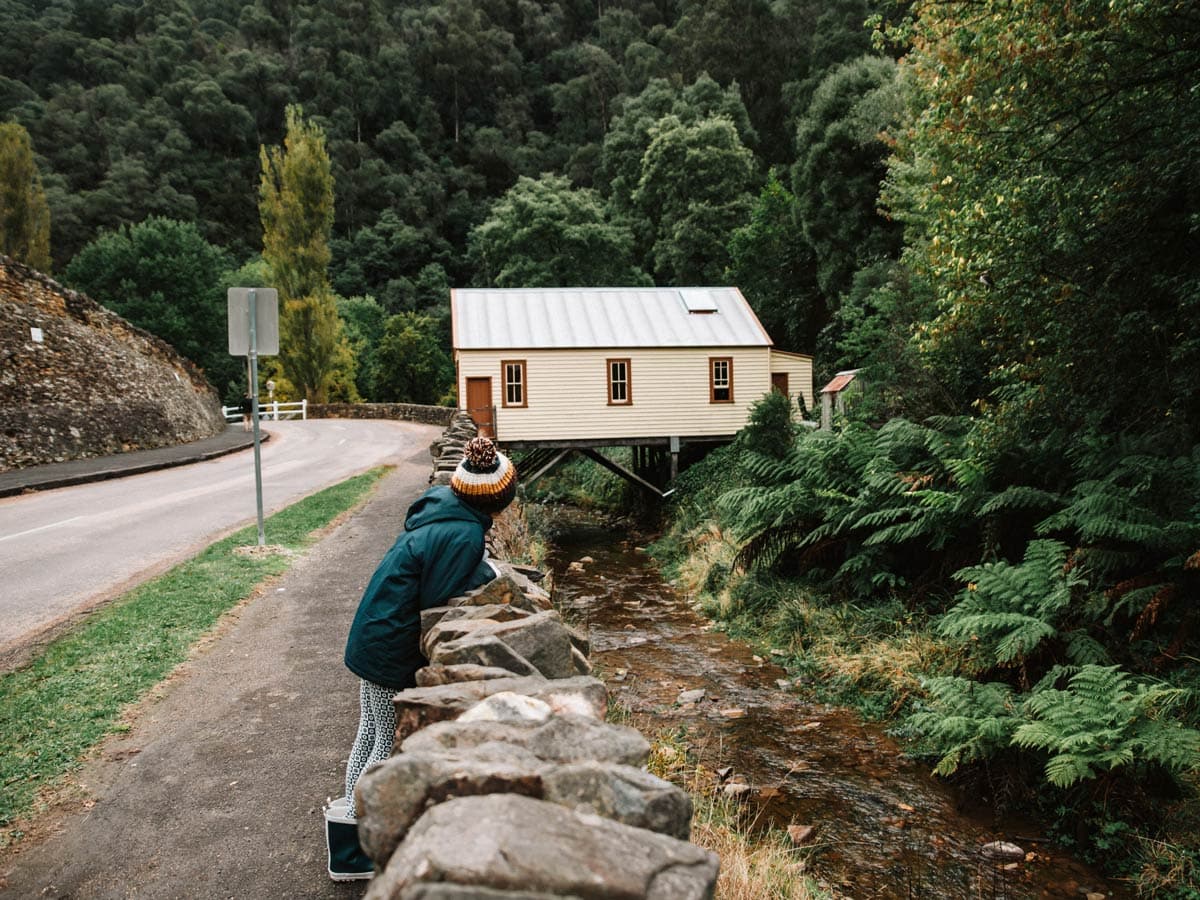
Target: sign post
column 254, row 329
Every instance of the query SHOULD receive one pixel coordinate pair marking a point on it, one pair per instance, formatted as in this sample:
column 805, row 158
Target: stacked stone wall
column 508, row 783
column 405, row 412
column 94, row 385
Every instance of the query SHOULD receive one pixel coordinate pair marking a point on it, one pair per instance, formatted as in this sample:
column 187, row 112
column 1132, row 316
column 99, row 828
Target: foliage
column 873, row 330
column 1043, row 182
column 967, row 721
column 1102, row 720
column 677, row 214
column 693, row 192
column 24, row 215
column 314, row 354
column 431, row 111
column 296, row 206
column 165, row 277
column 364, row 319
column 770, row 430
column 1008, row 611
column 413, row 367
column 543, row 233
column 866, row 511
column 773, row 265
column 839, row 166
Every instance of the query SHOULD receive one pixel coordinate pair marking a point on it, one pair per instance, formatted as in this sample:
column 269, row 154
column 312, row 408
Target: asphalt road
column 63, row 551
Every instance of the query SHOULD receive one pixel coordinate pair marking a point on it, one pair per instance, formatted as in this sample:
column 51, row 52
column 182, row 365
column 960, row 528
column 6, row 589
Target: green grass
column 53, row 711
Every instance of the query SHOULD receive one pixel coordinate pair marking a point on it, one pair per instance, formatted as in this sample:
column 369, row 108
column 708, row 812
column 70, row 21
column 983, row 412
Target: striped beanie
column 485, row 478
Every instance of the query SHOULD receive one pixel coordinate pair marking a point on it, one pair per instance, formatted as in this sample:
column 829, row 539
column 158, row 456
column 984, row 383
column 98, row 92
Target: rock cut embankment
column 78, row 381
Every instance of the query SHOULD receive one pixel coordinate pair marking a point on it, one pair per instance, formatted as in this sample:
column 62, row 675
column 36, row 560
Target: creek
column 883, row 827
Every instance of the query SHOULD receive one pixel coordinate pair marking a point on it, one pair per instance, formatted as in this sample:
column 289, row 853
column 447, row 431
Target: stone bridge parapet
column 405, row 412
column 507, row 782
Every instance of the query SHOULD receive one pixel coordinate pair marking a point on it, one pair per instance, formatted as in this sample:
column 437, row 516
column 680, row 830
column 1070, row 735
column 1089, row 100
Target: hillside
column 94, row 384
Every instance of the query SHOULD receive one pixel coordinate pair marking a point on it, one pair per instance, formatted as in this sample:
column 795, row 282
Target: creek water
column 883, row 827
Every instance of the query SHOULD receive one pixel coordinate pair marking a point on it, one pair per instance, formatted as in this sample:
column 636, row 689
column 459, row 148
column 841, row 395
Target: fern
column 1103, row 721
column 908, row 490
column 965, row 721
column 1010, row 610
column 1141, row 511
column 1019, row 497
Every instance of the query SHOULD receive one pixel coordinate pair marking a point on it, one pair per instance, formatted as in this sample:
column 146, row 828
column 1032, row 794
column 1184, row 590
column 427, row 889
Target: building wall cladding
column 94, row 385
column 566, row 391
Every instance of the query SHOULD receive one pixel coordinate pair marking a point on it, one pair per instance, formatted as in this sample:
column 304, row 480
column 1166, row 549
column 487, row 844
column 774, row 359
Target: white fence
column 270, row 412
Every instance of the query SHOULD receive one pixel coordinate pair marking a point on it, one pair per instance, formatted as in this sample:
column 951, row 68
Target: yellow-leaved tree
column 24, row 213
column 296, row 209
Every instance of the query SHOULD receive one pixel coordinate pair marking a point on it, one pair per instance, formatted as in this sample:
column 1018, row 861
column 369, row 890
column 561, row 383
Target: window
column 720, row 379
column 618, row 383
column 513, row 378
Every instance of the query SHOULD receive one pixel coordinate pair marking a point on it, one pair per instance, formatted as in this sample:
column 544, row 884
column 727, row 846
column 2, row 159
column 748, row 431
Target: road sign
column 254, row 332
column 266, row 306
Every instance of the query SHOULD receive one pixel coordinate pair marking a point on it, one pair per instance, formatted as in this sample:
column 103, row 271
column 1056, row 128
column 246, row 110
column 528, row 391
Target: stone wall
column 507, row 782
column 94, row 385
column 406, row 412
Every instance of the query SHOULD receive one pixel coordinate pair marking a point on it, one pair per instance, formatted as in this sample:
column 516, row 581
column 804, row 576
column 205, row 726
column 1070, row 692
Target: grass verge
column 54, row 710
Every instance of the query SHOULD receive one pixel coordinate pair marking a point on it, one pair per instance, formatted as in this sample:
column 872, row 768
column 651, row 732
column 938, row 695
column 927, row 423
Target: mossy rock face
column 79, row 381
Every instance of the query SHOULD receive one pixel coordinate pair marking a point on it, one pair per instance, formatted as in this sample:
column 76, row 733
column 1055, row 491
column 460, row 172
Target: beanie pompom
column 485, row 477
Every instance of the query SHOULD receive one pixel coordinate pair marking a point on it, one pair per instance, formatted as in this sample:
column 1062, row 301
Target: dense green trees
column 163, row 276
column 431, row 112
column 413, row 366
column 773, row 264
column 1050, row 182
column 544, row 233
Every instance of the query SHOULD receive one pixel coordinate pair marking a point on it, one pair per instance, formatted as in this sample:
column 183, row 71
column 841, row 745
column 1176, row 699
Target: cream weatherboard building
column 590, row 367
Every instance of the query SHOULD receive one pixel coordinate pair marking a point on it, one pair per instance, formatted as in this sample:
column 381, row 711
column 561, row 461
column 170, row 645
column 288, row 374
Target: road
column 64, row 551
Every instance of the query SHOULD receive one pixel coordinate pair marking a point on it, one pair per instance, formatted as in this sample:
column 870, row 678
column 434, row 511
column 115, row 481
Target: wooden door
column 479, row 405
column 779, row 381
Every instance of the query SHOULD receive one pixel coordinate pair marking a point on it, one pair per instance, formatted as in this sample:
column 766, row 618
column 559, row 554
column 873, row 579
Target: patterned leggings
column 376, row 732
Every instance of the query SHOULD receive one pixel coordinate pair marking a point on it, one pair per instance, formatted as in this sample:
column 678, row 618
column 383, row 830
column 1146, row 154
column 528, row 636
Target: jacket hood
column 440, row 504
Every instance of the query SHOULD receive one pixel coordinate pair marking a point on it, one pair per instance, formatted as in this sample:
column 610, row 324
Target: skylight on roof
column 698, row 301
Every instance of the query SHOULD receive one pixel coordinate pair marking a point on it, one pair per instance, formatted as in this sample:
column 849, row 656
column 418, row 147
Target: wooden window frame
column 505, row 383
column 608, row 368
column 712, row 378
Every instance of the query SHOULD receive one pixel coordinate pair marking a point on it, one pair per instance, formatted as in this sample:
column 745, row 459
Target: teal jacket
column 439, row 556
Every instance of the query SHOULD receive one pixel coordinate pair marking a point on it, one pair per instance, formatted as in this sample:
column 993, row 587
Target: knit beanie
column 485, row 477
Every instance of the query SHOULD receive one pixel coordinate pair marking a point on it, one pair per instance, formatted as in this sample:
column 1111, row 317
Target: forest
column 469, row 143
column 991, row 208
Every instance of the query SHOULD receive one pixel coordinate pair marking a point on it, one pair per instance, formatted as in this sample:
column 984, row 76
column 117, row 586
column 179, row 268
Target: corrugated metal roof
column 840, row 381
column 554, row 318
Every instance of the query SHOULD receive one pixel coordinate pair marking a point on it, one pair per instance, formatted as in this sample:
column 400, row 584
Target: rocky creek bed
column 876, row 824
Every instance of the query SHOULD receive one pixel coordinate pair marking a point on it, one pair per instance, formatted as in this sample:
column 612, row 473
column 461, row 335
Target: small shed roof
column 840, row 381
column 564, row 318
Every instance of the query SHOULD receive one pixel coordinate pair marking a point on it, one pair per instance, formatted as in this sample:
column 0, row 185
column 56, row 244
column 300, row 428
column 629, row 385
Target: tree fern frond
column 765, row 549
column 1084, row 650
column 1103, row 721
column 1019, row 497
column 965, row 721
